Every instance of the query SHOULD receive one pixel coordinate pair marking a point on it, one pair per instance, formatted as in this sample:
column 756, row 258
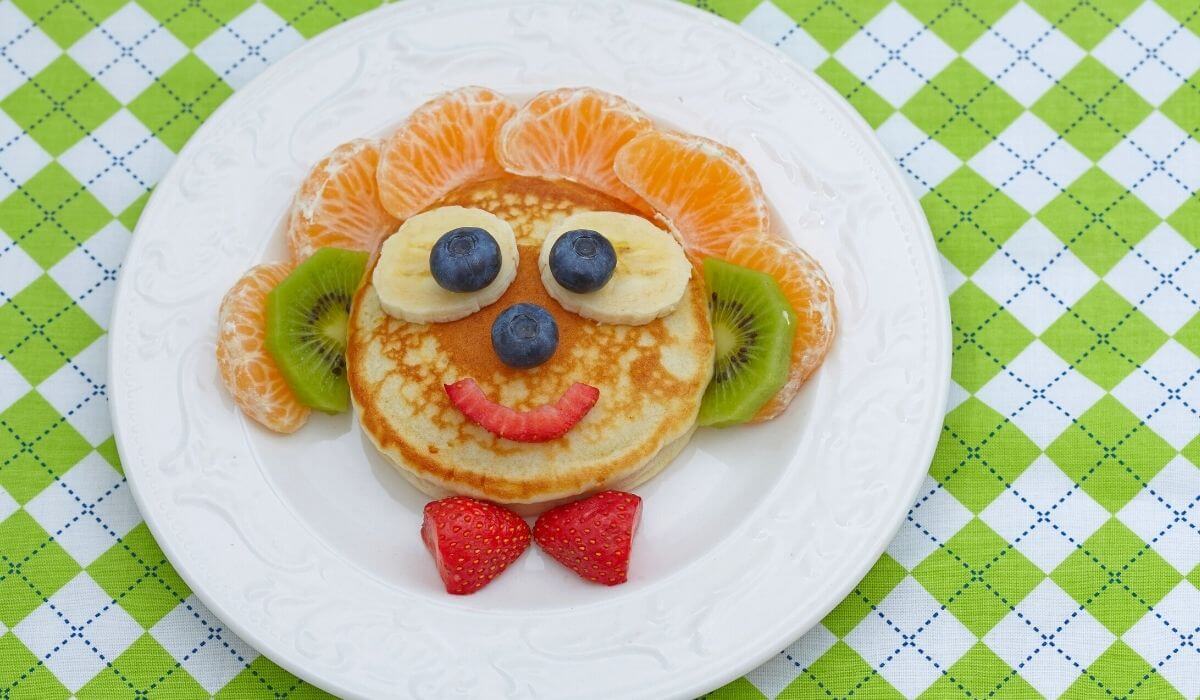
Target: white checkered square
column 86, row 509
column 1035, row 277
column 1040, row 393
column 1151, row 51
column 208, row 651
column 895, row 55
column 775, row 675
column 1165, row 638
column 924, row 160
column 127, row 52
column 24, row 49
column 20, row 157
column 1165, row 392
column 77, row 391
column 1166, row 514
column 1158, row 162
column 119, row 161
column 934, row 519
column 8, row 505
column 1161, row 277
column 1050, row 637
column 248, row 44
column 78, row 632
column 17, row 270
column 952, row 276
column 89, row 272
column 910, row 638
column 1030, row 163
column 1044, row 515
column 12, row 385
column 1024, row 54
column 768, row 22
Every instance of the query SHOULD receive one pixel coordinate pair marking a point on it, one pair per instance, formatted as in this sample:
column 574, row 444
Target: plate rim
column 784, row 634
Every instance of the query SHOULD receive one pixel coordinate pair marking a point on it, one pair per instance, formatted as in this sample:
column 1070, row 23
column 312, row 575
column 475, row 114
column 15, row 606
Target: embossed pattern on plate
column 800, row 507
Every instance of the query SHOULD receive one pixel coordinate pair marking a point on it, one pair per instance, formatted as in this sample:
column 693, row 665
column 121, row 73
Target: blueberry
column 465, row 259
column 582, row 260
column 524, row 335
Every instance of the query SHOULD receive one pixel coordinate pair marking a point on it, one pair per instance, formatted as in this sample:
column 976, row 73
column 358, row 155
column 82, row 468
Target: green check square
column 980, row 452
column 136, row 574
column 840, row 673
column 46, row 446
column 22, row 675
column 962, row 109
column 1104, row 336
column 970, row 219
column 1098, row 219
column 263, row 678
column 145, row 669
column 49, row 328
column 32, row 567
column 958, row 23
column 108, row 450
column 51, row 214
column 1184, row 11
column 1110, row 453
column 978, row 576
column 980, row 674
column 175, row 105
column 1183, row 106
column 986, row 337
column 1186, row 219
column 1087, row 23
column 879, row 581
column 314, row 17
column 67, row 22
column 60, row 105
column 192, row 21
column 1092, row 108
column 831, row 22
column 1116, row 576
column 866, row 101
column 1121, row 672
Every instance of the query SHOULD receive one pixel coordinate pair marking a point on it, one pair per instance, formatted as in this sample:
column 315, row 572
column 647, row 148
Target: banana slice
column 651, row 276
column 406, row 287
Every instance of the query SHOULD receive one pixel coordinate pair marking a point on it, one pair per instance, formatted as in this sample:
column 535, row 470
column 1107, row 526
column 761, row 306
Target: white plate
column 307, row 546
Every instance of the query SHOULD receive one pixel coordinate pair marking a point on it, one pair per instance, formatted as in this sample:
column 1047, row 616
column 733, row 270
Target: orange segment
column 573, row 134
column 447, row 142
column 247, row 369
column 338, row 203
column 807, row 288
column 705, row 190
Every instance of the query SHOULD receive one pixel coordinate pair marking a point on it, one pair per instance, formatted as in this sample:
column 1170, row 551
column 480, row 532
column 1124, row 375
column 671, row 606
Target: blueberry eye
column 582, row 260
column 465, row 259
column 524, row 336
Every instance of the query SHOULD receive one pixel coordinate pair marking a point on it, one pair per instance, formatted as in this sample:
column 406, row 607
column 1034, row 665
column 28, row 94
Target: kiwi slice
column 753, row 326
column 306, row 326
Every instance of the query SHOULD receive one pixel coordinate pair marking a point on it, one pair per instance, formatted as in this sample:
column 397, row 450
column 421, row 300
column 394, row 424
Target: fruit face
column 465, row 259
column 582, row 260
column 524, row 336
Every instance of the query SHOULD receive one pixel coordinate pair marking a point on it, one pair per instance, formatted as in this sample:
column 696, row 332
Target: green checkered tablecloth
column 1054, row 548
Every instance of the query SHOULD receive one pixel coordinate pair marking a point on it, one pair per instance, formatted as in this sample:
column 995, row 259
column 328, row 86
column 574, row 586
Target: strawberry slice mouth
column 547, row 422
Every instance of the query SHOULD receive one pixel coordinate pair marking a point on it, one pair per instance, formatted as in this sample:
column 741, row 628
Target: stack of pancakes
column 651, row 378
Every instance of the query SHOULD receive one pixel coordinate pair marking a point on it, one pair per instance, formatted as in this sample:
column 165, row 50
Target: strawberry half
column 537, row 425
column 592, row 537
column 472, row 541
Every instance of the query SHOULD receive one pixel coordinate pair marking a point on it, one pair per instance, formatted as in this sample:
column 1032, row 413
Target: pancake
column 651, row 378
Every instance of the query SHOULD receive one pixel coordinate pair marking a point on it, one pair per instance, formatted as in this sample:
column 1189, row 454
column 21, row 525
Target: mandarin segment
column 338, row 203
column 247, row 369
column 445, row 143
column 806, row 287
column 573, row 134
column 707, row 191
